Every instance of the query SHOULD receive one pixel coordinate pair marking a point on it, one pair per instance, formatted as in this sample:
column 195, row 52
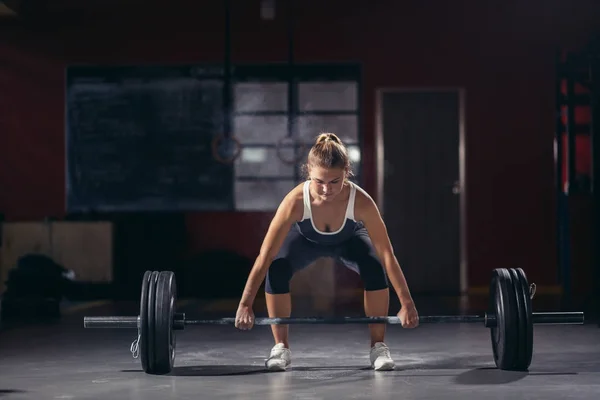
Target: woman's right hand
column 244, row 318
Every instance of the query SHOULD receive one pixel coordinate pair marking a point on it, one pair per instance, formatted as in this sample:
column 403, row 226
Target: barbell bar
column 510, row 319
column 489, row 321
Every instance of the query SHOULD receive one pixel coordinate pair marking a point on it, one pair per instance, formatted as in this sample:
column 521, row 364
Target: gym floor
column 66, row 361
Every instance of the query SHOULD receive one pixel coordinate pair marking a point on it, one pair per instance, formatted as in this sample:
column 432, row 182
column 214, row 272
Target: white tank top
column 345, row 231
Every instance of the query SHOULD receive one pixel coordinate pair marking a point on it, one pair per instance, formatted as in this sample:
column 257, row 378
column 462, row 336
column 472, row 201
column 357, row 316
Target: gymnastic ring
column 294, row 160
column 215, row 149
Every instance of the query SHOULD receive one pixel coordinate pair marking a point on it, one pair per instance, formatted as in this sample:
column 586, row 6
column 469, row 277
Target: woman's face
column 327, row 182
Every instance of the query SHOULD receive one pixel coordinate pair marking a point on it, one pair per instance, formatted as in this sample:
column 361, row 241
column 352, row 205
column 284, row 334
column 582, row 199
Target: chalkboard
column 139, row 139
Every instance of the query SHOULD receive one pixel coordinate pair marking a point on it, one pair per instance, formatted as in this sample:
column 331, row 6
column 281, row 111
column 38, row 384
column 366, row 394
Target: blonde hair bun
column 323, row 137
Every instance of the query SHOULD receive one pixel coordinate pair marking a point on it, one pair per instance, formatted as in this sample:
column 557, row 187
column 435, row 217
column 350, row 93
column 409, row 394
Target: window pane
column 254, row 96
column 264, row 162
column 250, row 129
column 328, row 96
column 261, row 195
column 344, row 126
column 355, row 159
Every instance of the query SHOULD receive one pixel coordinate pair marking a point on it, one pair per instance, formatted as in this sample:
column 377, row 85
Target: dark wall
column 503, row 56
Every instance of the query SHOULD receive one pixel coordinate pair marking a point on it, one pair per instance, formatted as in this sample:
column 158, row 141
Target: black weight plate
column 504, row 335
column 527, row 348
column 164, row 344
column 151, row 322
column 143, row 323
column 497, row 331
column 511, row 320
column 521, row 319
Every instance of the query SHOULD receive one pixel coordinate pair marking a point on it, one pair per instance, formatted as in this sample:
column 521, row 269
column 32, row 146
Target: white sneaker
column 279, row 359
column 381, row 360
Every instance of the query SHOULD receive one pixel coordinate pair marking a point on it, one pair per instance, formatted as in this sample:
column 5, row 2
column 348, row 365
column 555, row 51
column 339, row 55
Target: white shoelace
column 383, row 351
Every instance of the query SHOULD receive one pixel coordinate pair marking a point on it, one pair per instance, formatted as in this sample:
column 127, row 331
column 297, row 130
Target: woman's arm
column 368, row 212
column 288, row 212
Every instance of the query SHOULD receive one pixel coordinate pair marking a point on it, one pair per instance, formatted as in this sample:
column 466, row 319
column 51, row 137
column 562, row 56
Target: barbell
column 509, row 317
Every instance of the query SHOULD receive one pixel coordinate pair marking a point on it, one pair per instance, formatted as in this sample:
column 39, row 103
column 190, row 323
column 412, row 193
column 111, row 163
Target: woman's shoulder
column 361, row 194
column 297, row 193
column 293, row 202
column 363, row 202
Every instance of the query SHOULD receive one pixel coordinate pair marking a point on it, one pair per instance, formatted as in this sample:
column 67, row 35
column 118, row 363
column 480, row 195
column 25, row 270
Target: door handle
column 456, row 189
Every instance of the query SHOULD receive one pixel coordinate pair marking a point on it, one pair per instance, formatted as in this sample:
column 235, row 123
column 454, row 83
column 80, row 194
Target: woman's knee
column 373, row 276
column 360, row 255
column 278, row 277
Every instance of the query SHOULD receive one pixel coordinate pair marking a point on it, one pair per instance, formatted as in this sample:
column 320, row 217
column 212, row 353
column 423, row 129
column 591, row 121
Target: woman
column 327, row 216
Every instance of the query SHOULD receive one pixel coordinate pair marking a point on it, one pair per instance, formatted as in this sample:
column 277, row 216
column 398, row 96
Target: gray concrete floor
column 450, row 361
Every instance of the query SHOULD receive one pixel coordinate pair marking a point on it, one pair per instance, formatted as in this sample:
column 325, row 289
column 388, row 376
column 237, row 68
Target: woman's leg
column 295, row 254
column 277, row 293
column 377, row 305
column 359, row 255
column 279, row 306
